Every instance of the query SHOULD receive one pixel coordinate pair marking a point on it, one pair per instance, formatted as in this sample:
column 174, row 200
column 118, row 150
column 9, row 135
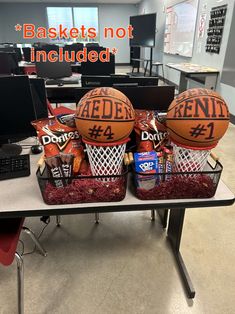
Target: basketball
column 197, row 117
column 104, row 115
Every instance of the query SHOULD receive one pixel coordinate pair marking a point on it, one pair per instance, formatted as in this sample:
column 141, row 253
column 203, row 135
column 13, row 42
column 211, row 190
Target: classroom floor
column 124, row 265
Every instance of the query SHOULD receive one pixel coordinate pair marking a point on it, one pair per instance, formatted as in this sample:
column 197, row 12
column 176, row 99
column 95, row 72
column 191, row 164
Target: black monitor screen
column 27, row 54
column 144, row 30
column 98, row 67
column 13, row 49
column 53, row 70
column 39, row 97
column 5, row 66
column 16, row 109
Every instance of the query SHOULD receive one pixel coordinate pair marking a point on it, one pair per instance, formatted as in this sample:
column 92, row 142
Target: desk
column 27, row 201
column 201, row 74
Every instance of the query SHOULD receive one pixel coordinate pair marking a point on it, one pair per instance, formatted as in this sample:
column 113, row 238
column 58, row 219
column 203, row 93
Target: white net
column 106, row 160
column 189, row 160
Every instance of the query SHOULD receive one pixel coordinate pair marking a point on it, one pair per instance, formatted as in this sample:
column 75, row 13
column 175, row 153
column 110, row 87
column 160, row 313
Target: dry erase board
column 228, row 74
column 180, row 28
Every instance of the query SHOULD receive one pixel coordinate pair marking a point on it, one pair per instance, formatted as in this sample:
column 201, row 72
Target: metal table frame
column 196, row 73
column 171, row 211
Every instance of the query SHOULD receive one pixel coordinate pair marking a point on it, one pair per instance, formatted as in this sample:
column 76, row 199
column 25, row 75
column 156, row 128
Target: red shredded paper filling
column 85, row 191
column 197, row 186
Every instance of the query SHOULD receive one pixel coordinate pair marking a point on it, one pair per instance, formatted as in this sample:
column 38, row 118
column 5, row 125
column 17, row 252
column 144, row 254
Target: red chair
column 59, row 110
column 30, row 70
column 10, row 229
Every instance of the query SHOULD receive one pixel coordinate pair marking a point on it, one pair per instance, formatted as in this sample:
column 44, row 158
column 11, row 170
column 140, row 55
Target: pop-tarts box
column 147, row 163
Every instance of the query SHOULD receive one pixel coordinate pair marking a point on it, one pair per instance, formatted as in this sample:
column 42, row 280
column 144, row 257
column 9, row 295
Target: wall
column 117, row 16
column 199, row 54
column 109, row 15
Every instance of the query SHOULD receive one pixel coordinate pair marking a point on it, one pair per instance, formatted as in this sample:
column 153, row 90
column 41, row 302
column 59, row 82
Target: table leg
column 163, row 215
column 183, row 82
column 146, row 67
column 174, row 232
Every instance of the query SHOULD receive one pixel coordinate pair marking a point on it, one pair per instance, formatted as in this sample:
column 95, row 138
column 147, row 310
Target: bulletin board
column 180, row 28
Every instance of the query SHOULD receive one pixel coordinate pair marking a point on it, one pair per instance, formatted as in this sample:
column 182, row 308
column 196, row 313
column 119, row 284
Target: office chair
column 59, row 110
column 10, row 229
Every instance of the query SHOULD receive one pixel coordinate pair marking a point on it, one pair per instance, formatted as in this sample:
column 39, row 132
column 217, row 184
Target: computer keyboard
column 62, row 81
column 14, row 166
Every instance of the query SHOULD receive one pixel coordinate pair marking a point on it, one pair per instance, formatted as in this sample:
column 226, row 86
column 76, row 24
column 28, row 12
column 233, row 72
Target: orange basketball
column 104, row 115
column 197, row 117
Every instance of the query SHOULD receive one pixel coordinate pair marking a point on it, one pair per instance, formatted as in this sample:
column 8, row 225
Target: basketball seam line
column 190, row 139
column 87, row 98
column 193, row 97
column 78, row 118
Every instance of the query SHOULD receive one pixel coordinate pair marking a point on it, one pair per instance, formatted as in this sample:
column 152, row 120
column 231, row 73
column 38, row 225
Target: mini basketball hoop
column 106, row 159
column 190, row 159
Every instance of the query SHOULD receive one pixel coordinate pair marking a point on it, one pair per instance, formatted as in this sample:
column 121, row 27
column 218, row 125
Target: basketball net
column 190, row 159
column 106, row 159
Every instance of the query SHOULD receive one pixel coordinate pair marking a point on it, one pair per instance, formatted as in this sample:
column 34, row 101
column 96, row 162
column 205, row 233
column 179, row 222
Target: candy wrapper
column 151, row 132
column 61, row 140
column 54, row 167
column 160, row 158
column 168, row 153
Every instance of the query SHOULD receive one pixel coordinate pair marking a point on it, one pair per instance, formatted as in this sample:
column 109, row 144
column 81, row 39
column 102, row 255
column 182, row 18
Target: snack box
column 147, row 163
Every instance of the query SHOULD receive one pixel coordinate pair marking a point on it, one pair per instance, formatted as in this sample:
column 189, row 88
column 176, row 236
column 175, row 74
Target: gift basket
column 84, row 152
column 178, row 185
column 82, row 188
column 172, row 154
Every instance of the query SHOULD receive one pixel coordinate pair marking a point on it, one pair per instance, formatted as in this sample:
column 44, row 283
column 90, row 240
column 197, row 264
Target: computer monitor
column 5, row 66
column 149, row 97
column 12, row 61
column 7, row 49
column 98, row 67
column 38, row 91
column 13, row 49
column 141, row 97
column 47, row 48
column 18, row 53
column 17, row 111
column 27, row 54
column 92, row 45
column 50, row 47
column 53, row 70
column 74, row 47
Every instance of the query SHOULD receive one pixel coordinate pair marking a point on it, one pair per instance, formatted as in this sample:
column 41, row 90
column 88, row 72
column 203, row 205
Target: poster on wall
column 202, row 25
column 180, row 28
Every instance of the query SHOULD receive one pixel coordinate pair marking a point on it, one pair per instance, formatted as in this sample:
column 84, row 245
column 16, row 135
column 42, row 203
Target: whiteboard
column 180, row 28
column 228, row 74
